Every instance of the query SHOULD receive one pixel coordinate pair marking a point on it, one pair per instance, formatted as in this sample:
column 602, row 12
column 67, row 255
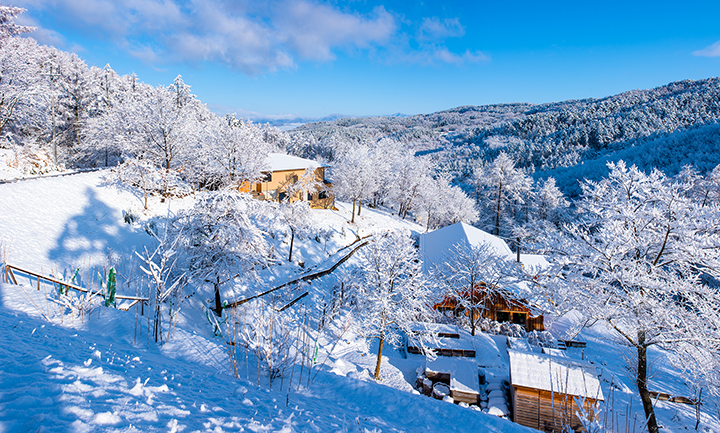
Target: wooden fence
column 10, row 276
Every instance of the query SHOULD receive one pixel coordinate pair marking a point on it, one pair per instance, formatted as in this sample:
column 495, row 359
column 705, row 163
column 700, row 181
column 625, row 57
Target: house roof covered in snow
column 282, row 162
column 463, row 372
column 438, row 245
column 549, row 373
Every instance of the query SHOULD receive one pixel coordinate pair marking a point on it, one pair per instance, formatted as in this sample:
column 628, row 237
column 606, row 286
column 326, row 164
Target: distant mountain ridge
column 540, row 137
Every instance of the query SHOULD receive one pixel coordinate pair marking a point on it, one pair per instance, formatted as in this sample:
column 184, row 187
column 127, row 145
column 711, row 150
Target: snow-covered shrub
column 31, row 159
column 512, row 330
column 149, row 179
column 130, row 217
column 270, row 335
column 542, row 339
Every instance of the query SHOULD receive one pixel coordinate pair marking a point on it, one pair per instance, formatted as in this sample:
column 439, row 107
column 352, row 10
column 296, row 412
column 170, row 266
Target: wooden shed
column 495, row 304
column 544, row 388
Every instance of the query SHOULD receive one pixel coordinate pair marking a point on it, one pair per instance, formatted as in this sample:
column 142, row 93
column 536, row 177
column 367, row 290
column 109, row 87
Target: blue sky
column 284, row 58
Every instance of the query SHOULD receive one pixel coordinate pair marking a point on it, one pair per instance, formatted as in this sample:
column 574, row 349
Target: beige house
column 293, row 178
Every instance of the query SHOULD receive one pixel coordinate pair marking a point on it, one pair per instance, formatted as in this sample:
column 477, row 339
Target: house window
column 503, row 316
column 322, row 195
column 519, row 318
column 268, row 177
column 310, row 196
column 282, row 196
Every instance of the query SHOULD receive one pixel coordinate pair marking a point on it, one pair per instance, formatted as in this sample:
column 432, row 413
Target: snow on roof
column 440, row 328
column 561, row 375
column 463, row 372
column 282, row 162
column 438, row 245
column 534, row 262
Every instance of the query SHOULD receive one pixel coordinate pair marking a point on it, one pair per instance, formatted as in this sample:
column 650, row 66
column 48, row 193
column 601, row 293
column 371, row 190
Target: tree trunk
column 380, row 347
column 292, row 241
column 472, row 321
column 352, row 220
column 497, row 211
column 642, row 384
column 218, row 303
column 359, row 206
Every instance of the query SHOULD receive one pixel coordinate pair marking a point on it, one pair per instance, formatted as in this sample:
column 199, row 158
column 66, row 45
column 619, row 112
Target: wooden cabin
column 544, row 389
column 495, row 304
column 293, row 178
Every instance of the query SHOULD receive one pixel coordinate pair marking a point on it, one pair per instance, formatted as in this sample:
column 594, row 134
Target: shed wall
column 545, row 411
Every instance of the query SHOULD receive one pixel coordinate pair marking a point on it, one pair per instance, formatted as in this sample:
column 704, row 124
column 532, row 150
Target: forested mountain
column 538, row 137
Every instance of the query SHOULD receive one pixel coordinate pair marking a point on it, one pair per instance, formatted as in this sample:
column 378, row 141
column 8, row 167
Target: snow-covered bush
column 149, row 179
column 542, row 339
column 270, row 335
column 220, row 241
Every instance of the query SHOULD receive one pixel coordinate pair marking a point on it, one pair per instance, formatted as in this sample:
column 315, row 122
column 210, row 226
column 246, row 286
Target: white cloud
column 433, row 29
column 313, row 30
column 709, row 51
column 42, row 35
column 254, row 37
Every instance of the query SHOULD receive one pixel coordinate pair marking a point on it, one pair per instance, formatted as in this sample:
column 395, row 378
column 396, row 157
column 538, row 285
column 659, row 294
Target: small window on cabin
column 310, row 196
column 503, row 316
column 322, row 195
column 519, row 318
column 268, row 177
column 282, row 196
column 294, row 178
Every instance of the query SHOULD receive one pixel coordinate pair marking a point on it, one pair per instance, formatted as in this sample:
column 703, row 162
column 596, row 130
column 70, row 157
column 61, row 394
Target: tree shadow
column 93, row 235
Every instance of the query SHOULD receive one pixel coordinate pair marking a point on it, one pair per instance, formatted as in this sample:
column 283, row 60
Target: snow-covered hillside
column 61, row 371
column 98, row 373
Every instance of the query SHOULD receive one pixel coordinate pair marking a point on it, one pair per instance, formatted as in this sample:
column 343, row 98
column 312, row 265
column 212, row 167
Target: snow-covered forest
column 125, row 236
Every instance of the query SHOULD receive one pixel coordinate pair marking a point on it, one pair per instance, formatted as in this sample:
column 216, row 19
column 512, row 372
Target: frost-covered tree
column 504, row 188
column 548, row 202
column 22, row 88
column 470, row 276
column 298, row 218
column 8, row 27
column 221, row 241
column 643, row 257
column 237, row 150
column 355, row 177
column 441, row 204
column 409, row 173
column 390, row 292
column 162, row 123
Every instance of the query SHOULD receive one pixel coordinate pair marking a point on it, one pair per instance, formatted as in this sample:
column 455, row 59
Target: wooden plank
column 293, row 302
column 10, row 274
column 308, row 277
column 663, row 396
column 132, row 304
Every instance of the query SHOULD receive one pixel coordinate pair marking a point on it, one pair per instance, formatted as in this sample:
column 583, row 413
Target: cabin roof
column 549, row 373
column 463, row 372
column 436, row 246
column 282, row 162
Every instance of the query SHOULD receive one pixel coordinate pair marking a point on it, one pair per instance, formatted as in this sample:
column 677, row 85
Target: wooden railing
column 10, row 276
column 361, row 243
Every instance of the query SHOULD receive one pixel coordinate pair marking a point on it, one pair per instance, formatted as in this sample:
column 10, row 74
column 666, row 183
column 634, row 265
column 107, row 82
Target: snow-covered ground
column 63, row 372
column 101, row 372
